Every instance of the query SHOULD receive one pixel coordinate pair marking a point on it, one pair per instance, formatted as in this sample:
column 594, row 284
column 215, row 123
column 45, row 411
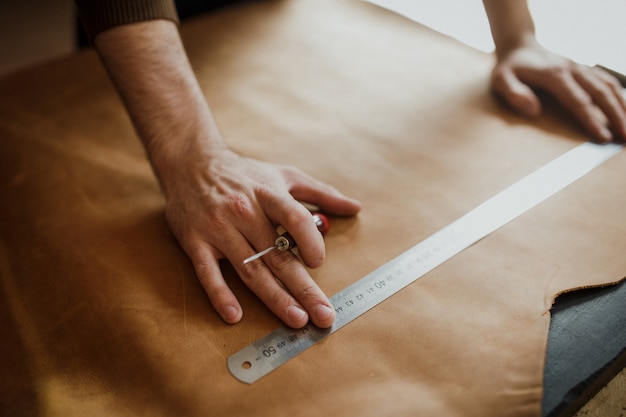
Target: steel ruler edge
column 268, row 353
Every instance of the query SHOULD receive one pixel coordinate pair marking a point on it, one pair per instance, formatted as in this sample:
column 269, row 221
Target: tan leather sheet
column 101, row 314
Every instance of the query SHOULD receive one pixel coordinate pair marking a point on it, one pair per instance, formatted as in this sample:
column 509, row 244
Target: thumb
column 517, row 94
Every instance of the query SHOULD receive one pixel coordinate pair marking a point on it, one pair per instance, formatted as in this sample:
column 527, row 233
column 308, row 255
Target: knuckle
column 290, row 169
column 607, row 79
column 280, row 300
column 308, row 294
column 204, row 271
column 202, row 268
column 283, row 262
column 604, row 93
column 296, row 217
column 559, row 71
column 583, row 103
column 241, row 207
column 253, row 269
column 218, row 296
column 615, row 85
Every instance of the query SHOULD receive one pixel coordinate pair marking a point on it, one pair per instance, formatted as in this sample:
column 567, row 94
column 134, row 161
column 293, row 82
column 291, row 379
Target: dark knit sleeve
column 99, row 15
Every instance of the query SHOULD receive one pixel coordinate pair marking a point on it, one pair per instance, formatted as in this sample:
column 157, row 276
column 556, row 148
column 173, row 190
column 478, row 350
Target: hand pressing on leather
column 523, row 66
column 219, row 204
column 591, row 95
column 225, row 206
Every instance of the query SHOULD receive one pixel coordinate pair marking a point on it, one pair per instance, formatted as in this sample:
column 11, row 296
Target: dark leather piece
column 586, row 347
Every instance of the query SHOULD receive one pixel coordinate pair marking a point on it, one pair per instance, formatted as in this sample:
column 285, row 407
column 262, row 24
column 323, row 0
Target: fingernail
column 323, row 312
column 295, row 313
column 230, row 314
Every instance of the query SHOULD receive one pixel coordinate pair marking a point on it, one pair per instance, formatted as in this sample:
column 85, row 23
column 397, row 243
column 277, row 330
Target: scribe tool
column 285, row 241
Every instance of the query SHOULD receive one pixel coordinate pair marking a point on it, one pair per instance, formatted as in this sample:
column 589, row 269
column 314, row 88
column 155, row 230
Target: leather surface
column 101, row 312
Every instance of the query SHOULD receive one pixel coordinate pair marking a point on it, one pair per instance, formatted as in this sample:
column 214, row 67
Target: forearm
column 511, row 24
column 150, row 69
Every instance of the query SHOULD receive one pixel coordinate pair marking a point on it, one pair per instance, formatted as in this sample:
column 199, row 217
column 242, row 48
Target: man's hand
column 227, row 206
column 219, row 204
column 591, row 95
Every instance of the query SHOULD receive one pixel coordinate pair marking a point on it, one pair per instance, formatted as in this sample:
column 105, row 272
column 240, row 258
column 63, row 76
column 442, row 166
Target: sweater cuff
column 98, row 16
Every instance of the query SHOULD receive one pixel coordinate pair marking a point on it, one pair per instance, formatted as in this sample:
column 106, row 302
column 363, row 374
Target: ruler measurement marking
column 266, row 354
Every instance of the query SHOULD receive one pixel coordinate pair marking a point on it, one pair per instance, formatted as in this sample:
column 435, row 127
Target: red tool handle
column 286, row 241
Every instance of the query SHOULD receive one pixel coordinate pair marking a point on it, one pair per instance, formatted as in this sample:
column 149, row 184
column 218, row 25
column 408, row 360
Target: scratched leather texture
column 101, row 313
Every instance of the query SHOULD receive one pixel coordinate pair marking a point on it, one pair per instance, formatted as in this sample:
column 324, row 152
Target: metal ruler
column 283, row 344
